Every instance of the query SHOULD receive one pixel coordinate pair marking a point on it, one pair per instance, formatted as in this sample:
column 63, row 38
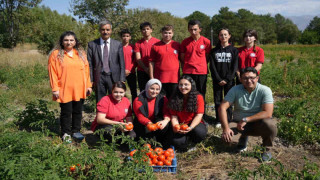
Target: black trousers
column 196, row 135
column 108, row 132
column 201, row 83
column 143, row 78
column 218, row 94
column 104, row 87
column 162, row 136
column 132, row 82
column 70, row 117
column 168, row 89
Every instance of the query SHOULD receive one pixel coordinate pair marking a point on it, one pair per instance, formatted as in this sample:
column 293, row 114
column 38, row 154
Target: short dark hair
column 248, row 69
column 124, row 31
column 166, row 28
column 119, row 84
column 193, row 22
column 142, row 25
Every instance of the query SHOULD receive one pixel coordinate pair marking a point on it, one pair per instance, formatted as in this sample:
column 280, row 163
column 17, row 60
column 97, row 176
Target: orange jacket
column 70, row 77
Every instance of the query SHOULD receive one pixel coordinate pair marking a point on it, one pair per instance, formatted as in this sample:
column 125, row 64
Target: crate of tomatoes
column 161, row 160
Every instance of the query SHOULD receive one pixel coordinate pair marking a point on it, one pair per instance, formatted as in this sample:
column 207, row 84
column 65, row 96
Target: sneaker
column 218, row 125
column 266, row 156
column 242, row 144
column 67, row 138
column 78, row 136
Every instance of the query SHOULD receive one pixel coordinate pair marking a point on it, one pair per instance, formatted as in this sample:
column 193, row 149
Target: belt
column 107, row 74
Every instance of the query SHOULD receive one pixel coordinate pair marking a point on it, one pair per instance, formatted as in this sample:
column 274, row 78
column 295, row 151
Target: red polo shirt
column 187, row 117
column 195, row 61
column 166, row 61
column 129, row 59
column 249, row 58
column 114, row 110
column 151, row 102
column 144, row 48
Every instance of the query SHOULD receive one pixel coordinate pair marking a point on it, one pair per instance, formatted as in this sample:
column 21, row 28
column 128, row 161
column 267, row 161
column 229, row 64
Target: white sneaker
column 67, row 138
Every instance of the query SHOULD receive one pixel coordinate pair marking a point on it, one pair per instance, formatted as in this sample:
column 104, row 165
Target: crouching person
column 253, row 108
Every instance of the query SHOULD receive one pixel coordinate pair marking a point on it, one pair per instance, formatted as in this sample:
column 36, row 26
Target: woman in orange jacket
column 70, row 82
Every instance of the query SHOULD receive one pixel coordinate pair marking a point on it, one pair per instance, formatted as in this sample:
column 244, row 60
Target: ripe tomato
column 147, row 145
column 166, row 153
column 161, row 158
column 153, row 155
column 158, row 125
column 169, row 158
column 72, row 168
column 170, row 150
column 149, row 152
column 172, row 154
column 132, row 152
column 158, row 150
column 184, row 127
column 167, row 162
column 154, row 160
column 160, row 163
column 152, row 127
column 129, row 126
column 176, row 127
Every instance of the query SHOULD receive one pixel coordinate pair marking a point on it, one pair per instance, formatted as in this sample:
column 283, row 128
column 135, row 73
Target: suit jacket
column 116, row 61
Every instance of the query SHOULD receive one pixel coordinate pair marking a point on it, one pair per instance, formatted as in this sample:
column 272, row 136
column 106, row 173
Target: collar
column 102, row 41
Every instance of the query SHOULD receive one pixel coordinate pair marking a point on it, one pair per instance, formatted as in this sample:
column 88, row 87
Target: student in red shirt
column 114, row 109
column 187, row 106
column 194, row 52
column 142, row 49
column 129, row 61
column 150, row 107
column 250, row 55
column 165, row 61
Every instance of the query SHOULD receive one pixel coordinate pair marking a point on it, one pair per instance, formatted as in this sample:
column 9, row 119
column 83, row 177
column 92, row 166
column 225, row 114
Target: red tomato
column 72, row 168
column 177, row 127
column 158, row 125
column 184, row 127
column 167, row 162
column 154, row 160
column 160, row 163
column 170, row 150
column 153, row 155
column 147, row 145
column 152, row 127
column 172, row 155
column 169, row 158
column 132, row 152
column 158, row 150
column 167, row 153
column 129, row 127
column 161, row 158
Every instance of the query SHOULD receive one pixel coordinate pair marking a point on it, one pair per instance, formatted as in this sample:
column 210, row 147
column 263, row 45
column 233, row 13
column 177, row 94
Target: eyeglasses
column 249, row 78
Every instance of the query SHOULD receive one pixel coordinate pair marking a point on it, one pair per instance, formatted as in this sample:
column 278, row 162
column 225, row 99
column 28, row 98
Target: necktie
column 105, row 58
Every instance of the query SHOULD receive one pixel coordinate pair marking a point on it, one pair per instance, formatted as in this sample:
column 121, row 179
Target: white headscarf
column 149, row 84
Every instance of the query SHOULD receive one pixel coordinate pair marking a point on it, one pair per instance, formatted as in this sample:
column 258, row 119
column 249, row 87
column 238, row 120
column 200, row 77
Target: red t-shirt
column 116, row 111
column 166, row 61
column 129, row 58
column 249, row 58
column 144, row 48
column 151, row 102
column 187, row 117
column 195, row 61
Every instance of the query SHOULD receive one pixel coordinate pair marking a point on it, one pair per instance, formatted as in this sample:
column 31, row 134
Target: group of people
column 165, row 98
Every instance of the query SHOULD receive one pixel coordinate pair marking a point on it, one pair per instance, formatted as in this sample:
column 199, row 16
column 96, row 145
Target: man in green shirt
column 253, row 108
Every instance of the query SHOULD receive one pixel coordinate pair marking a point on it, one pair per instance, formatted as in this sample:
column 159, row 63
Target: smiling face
column 185, row 86
column 68, row 42
column 194, row 30
column 167, row 36
column 118, row 93
column 154, row 90
column 249, row 39
column 249, row 80
column 105, row 31
column 224, row 36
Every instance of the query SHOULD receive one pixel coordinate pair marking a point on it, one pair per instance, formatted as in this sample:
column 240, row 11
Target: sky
column 183, row 8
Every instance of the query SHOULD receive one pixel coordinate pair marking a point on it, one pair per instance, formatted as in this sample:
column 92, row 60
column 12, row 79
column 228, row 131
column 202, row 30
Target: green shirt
column 247, row 104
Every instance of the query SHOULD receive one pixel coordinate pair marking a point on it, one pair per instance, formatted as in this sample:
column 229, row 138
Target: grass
column 31, row 149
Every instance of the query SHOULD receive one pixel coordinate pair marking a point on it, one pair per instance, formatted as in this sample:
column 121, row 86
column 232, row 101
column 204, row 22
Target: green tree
column 205, row 22
column 314, row 25
column 286, row 30
column 309, row 37
column 11, row 11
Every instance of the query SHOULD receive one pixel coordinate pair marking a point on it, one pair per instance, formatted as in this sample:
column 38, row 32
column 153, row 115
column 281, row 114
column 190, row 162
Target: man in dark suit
column 105, row 56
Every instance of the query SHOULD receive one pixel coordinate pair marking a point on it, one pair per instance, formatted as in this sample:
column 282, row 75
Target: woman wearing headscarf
column 150, row 108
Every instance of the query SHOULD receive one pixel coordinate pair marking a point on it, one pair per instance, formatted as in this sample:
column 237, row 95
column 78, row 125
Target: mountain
column 302, row 21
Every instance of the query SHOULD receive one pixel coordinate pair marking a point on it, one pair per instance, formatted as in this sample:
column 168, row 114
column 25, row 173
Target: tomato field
column 31, row 148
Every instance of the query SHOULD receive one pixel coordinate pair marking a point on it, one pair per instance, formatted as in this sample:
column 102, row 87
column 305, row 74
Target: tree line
column 24, row 21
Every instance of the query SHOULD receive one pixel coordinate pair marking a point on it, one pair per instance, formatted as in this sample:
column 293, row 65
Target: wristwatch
column 244, row 120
